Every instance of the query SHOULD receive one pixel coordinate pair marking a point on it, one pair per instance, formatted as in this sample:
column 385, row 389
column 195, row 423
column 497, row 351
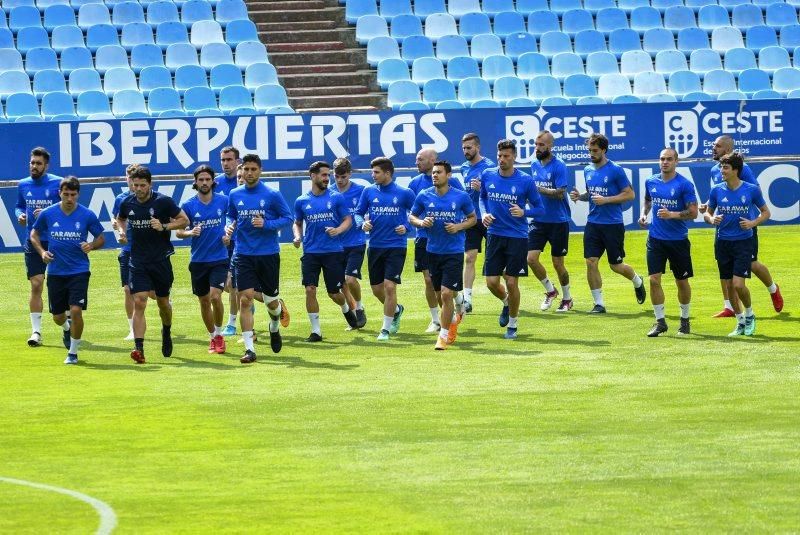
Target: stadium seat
column 508, row 88
column 401, row 92
column 508, row 23
column 473, row 24
column 610, row 86
column 32, row 37
column 215, row 54
column 541, row 22
column 566, row 64
column 645, row 18
column 20, row 105
column 718, row 81
column 626, row 99
column 118, row 79
column 82, row 80
column 739, row 59
column 556, row 101
column 380, row 48
column 473, row 89
column 790, row 36
column 439, row 25
column 24, row 17
column 658, row 39
column 7, row 39
column 459, row 8
column 661, row 97
column 765, row 94
column 101, row 35
column 188, row 76
column 196, row 10
column 450, row 105
column 434, row 91
column 711, row 17
column 126, row 102
column 495, row 67
column 92, row 14
column 126, row 13
column 691, row 39
column 523, row 102
column 451, row 46
column 391, row 70
column 10, row 60
column 732, row 95
column 180, row 54
column 154, row 77
column 92, row 102
column 424, row 69
column 414, row 106
column 725, row 38
column 729, row 4
column 521, row 43
column 259, row 74
column 646, row 84
column 758, row 37
column 367, row 27
column 746, row 16
column 753, row 80
column 394, row 8
column 554, row 43
column 229, row 10
column 225, row 75
column 239, row 31
column 697, row 96
column 794, row 93
column 205, row 32
column 783, row 80
column 58, row 15
column 44, row 4
column 634, row 62
column 166, row 99
column 405, row 26
column 162, row 11
column 75, row 57
column 110, row 56
column 780, row 14
column 250, row 52
column 772, row 58
column 697, row 4
column 462, row 67
column 170, row 33
column 591, row 101
column 595, row 6
column 416, row 46
column 48, row 81
column 684, row 82
column 147, row 55
column 677, row 18
column 485, row 45
column 574, row 21
column 610, row 19
column 236, row 112
column 589, row 41
column 663, row 5
column 669, row 61
column 76, row 4
column 40, row 59
column 600, row 63
column 8, row 5
column 541, row 87
column 562, row 6
column 485, row 103
column 532, row 64
column 494, row 7
column 57, row 103
column 620, row 41
column 529, row 6
column 136, row 33
column 423, row 8
column 199, row 98
column 703, row 61
column 579, row 85
column 358, row 8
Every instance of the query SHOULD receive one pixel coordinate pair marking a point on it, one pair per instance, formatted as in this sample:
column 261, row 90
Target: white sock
column 396, row 309
column 548, row 286
column 231, row 320
column 512, row 323
column 597, row 295
column 459, row 298
column 217, row 330
column 685, row 311
column 36, row 322
column 658, row 310
column 772, row 288
column 74, row 344
column 345, row 307
column 387, row 322
column 67, row 325
column 636, row 280
column 359, row 305
column 468, row 294
column 565, row 292
column 435, row 314
column 248, row 340
column 505, row 300
column 211, row 335
column 274, row 316
column 740, row 318
column 748, row 312
column 443, row 333
column 728, row 304
column 130, row 324
column 313, row 317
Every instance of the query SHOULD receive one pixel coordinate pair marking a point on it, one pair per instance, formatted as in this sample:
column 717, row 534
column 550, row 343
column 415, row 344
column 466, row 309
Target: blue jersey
column 245, row 203
column 354, row 236
column 498, row 193
column 468, row 172
column 422, row 182
column 609, row 180
column 211, row 217
column 115, row 211
column 674, row 195
column 452, row 207
column 225, row 184
column 319, row 212
column 34, row 195
column 746, row 175
column 67, row 232
column 733, row 205
column 148, row 244
column 388, row 208
column 553, row 176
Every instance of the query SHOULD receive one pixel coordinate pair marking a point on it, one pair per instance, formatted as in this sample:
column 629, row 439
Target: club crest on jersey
column 329, row 205
column 394, row 200
column 77, row 225
column 672, row 192
column 355, row 201
column 605, row 180
column 219, row 211
column 152, row 212
column 513, row 189
column 261, row 203
column 47, row 193
column 453, row 205
column 744, row 199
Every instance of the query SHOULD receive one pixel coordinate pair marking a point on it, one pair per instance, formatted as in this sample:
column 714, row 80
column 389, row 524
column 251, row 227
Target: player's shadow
column 139, row 368
column 89, row 345
column 226, row 365
column 298, row 362
column 536, row 337
column 756, row 338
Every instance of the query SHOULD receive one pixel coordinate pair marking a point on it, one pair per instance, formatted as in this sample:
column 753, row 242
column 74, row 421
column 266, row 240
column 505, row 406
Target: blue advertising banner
column 291, row 142
column 780, row 182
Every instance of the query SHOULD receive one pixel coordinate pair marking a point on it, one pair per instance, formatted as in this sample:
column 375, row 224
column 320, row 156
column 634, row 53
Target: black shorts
column 474, row 237
column 34, row 265
column 206, row 275
column 153, row 276
column 507, row 256
column 331, row 265
column 556, row 234
column 420, row 254
column 755, row 245
column 354, row 259
column 678, row 252
column 447, row 271
column 124, row 260
column 385, row 264
column 258, row 271
column 598, row 238
column 733, row 257
column 65, row 291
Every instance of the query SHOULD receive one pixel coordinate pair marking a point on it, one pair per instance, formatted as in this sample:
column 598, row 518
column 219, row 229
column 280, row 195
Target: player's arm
column 96, row 230
column 534, row 206
column 20, row 208
column 179, row 221
column 711, row 207
column 37, row 243
column 763, row 216
column 187, row 232
column 297, row 232
column 284, row 215
column 346, row 220
column 647, row 205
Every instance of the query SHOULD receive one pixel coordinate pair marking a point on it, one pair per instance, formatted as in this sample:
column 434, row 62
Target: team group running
column 234, row 219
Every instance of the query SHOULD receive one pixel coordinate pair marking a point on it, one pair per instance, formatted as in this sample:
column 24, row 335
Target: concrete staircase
column 317, row 57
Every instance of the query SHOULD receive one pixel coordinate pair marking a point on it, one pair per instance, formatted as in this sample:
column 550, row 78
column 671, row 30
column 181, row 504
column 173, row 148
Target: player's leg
column 516, row 267
column 162, row 286
column 680, row 262
column 761, row 271
column 446, row 319
column 614, row 236
column 217, row 316
column 310, row 267
column 268, row 273
column 78, row 301
column 656, row 266
column 395, row 261
column 201, row 287
column 35, row 269
column 421, row 265
column 333, row 273
column 233, row 305
column 470, row 257
column 538, row 237
column 390, row 306
column 743, row 254
column 58, row 301
column 559, row 247
column 593, row 249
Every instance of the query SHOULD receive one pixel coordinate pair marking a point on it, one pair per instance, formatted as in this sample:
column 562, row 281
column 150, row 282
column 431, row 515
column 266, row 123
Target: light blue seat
column 57, row 103
column 196, row 10
column 229, row 10
column 32, row 37
column 772, row 58
column 225, row 75
column 574, row 21
column 485, row 45
column 405, row 26
column 76, row 57
column 450, row 105
column 579, row 85
column 250, row 52
column 780, row 14
column 746, row 16
column 661, row 97
column 118, row 79
column 697, row 96
column 394, row 8
column 127, row 102
column 626, row 99
column 280, row 110
column 759, row 37
column 588, row 41
column 28, row 119
column 136, row 33
column 634, row 62
column 434, row 91
column 380, row 48
column 555, row 43
column 521, row 43
column 10, row 60
column 7, row 39
column 790, row 36
column 645, row 18
column 646, row 84
column 662, row 5
column 522, row 102
column 725, row 38
column 497, row 66
column 170, row 33
column 259, row 74
column 402, row 91
column 556, row 101
column 621, row 41
column 508, row 88
column 440, row 24
column 101, row 35
column 462, row 67
column 591, row 101
column 704, row 60
column 82, row 80
column 677, row 18
column 697, row 4
column 134, row 115
column 752, row 80
column 424, row 69
column 783, row 80
column 532, row 64
column 40, row 59
column 180, row 54
column 473, row 24
column 711, row 17
column 20, row 105
column 729, row 4
column 162, row 11
column 239, row 31
column 459, row 8
column 188, row 76
column 148, row 55
column 110, row 56
column 600, row 63
column 199, row 98
column 529, row 6
column 541, row 22
column 566, row 64
column 473, row 89
column 485, row 103
column 58, row 15
column 610, row 86
column 367, row 27
column 765, row 94
column 171, row 113
column 718, row 81
column 154, row 77
column 562, row 6
column 236, row 112
column 24, row 17
column 126, row 13
column 93, row 102
column 92, row 14
column 391, row 70
column 204, row 32
column 596, row 6
column 414, row 106
column 610, row 19
column 739, row 59
column 8, row 5
column 48, row 81
column 493, row 7
column 508, row 23
column 166, row 99
column 359, row 8
column 451, row 46
column 691, row 39
column 684, row 82
column 542, row 87
column 732, row 95
column 669, row 61
column 215, row 54
column 423, row 8
column 658, row 39
column 416, row 46
column 76, row 4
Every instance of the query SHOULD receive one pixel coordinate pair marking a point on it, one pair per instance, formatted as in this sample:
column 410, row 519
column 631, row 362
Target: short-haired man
column 68, row 224
column 607, row 189
column 550, row 174
column 208, row 258
column 445, row 212
column 672, row 199
column 505, row 192
column 729, row 207
column 471, row 170
column 257, row 212
column 384, row 207
column 150, row 217
column 226, row 181
column 354, row 241
column 34, row 194
column 326, row 218
column 124, row 256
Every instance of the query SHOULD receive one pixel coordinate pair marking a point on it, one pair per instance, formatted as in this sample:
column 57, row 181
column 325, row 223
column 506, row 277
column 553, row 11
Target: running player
column 226, row 181
column 607, row 189
column 124, row 256
column 672, row 199
column 67, row 224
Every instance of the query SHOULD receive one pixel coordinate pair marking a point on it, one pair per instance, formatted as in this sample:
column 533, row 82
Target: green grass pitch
column 582, row 424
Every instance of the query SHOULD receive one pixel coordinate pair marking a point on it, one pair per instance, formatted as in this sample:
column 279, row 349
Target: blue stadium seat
column 508, row 88
column 259, row 74
column 658, row 39
column 555, row 43
column 118, row 79
column 529, row 6
column 591, row 101
column 367, row 27
column 663, row 5
column 783, row 80
column 521, row 43
column 574, row 21
column 213, row 54
column 600, row 63
column 402, row 91
column 380, row 48
column 250, row 52
column 579, row 85
column 645, row 18
column 610, row 86
column 166, row 99
column 434, row 91
column 542, row 87
column 669, row 61
column 620, row 41
column 752, row 80
column 661, row 97
column 44, row 4
column 76, row 4
column 532, row 64
column 180, row 54
column 7, row 40
column 472, row 90
column 439, row 25
column 759, row 37
column 358, row 8
column 450, row 105
column 92, row 14
column 8, row 5
column 40, row 59
column 691, row 39
column 393, row 8
column 424, row 69
column 12, row 82
column 391, row 70
column 236, row 112
column 541, row 22
column 101, row 35
column 677, row 18
column 162, row 11
column 631, row 5
column 697, row 4
column 416, row 46
column 550, row 102
column 47, row 82
column 196, row 10
column 746, row 16
column 126, row 102
column 239, row 31
column 459, row 8
column 82, row 80
column 790, row 36
column 199, row 98
column 610, row 19
column 10, row 60
column 718, row 81
column 235, row 98
column 32, row 37
column 780, row 14
column 58, row 15
column 731, row 95
column 143, row 56
column 508, row 23
column 711, row 17
column 127, row 12
column 57, row 103
column 725, row 38
column 589, row 41
column 225, row 75
column 205, row 32
column 451, row 46
column 24, row 17
column 414, row 106
column 171, row 113
column 76, row 57
column 473, row 24
column 109, row 57
column 523, row 102
column 626, row 99
column 772, row 58
column 704, row 60
column 634, row 62
column 188, row 76
column 596, row 6
column 765, row 94
column 493, row 7
column 646, row 84
column 485, row 45
column 423, row 8
column 229, row 10
column 739, row 59
column 462, row 67
column 732, row 3
column 154, row 77
column 92, row 102
column 497, row 66
column 135, row 34
column 280, row 110
column 21, row 105
column 566, row 64
column 562, row 6
column 684, row 82
column 697, row 96
column 405, row 26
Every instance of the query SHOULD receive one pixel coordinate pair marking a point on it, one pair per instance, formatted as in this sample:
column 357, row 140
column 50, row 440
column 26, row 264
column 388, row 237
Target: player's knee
column 446, row 294
column 512, row 283
column 471, row 256
column 655, row 280
column 140, row 300
column 76, row 312
column 533, row 258
column 591, row 263
column 311, row 291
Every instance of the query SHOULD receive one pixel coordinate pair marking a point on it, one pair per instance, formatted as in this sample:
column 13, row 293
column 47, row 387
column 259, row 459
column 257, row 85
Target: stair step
column 328, row 13
column 327, row 91
column 342, row 101
column 287, row 5
column 331, row 68
column 348, row 55
column 306, row 47
column 266, row 27
column 344, row 35
column 327, row 110
column 360, row 77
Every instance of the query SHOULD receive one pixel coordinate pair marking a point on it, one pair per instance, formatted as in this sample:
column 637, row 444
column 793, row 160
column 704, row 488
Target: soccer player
column 354, row 240
column 423, row 181
column 326, row 217
column 504, row 193
column 607, row 189
column 445, row 212
column 257, row 212
column 226, row 181
column 550, row 174
column 150, row 217
column 67, row 224
column 724, row 145
column 208, row 259
column 672, row 199
column 471, row 171
column 34, row 194
column 384, row 207
column 124, row 256
column 729, row 207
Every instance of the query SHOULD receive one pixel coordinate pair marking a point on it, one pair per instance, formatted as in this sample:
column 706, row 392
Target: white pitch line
column 108, row 518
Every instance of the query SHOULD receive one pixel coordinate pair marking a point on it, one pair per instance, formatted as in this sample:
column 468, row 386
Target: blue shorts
column 420, row 254
column 507, row 256
column 447, row 271
column 678, row 252
column 474, row 237
column 330, row 264
column 124, row 260
column 354, row 259
column 259, row 272
column 34, row 265
column 65, row 291
column 206, row 275
column 385, row 264
column 556, row 234
column 153, row 276
column 599, row 239
column 734, row 257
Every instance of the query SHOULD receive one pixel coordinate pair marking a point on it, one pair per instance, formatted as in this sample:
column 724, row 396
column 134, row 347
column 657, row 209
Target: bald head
column 544, row 145
column 425, row 160
column 722, row 145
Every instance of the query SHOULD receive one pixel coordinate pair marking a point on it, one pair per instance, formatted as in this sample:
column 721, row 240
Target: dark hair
column 251, row 158
column 70, row 182
column 130, row 169
column 471, row 136
column 317, row 166
column 444, row 163
column 342, row 166
column 599, row 140
column 505, row 144
column 384, row 163
column 142, row 173
column 204, row 168
column 733, row 159
column 230, row 148
column 42, row 152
